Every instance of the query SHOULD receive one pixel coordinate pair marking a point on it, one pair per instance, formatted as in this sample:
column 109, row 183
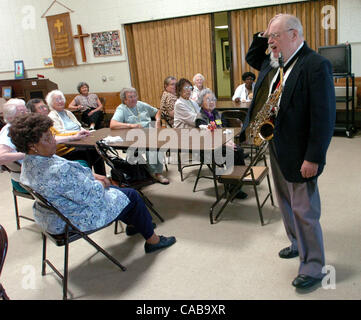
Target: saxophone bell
column 266, row 130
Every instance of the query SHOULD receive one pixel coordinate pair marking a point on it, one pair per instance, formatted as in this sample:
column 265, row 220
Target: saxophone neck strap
column 289, row 63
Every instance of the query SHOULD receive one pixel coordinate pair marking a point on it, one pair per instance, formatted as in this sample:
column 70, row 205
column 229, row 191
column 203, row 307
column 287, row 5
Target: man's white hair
column 292, row 22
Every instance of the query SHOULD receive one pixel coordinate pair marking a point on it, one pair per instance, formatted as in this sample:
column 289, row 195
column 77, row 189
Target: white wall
column 32, row 44
column 349, row 29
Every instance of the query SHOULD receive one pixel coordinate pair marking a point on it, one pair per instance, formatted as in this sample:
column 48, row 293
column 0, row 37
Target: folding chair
column 15, row 167
column 71, row 234
column 235, row 118
column 180, row 167
column 166, row 124
column 110, row 156
column 238, row 114
column 3, row 251
column 245, row 175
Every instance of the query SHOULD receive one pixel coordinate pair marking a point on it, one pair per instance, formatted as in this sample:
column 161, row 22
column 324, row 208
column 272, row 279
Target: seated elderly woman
column 90, row 106
column 137, row 114
column 168, row 100
column 11, row 110
column 185, row 110
column 208, row 114
column 87, row 200
column 66, row 122
column 8, row 153
column 198, row 81
column 244, row 92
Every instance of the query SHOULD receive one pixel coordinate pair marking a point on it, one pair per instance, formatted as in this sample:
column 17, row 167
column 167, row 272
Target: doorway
column 222, row 56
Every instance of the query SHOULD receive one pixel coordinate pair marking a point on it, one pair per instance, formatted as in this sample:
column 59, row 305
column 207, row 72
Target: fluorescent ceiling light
column 221, row 27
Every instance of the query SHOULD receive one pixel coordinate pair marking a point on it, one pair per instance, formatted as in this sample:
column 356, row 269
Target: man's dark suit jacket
column 305, row 122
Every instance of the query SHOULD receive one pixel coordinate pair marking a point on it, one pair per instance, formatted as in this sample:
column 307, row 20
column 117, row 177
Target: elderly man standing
column 303, row 130
column 137, row 114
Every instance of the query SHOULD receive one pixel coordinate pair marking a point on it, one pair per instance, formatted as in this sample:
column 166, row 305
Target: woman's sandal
column 161, row 179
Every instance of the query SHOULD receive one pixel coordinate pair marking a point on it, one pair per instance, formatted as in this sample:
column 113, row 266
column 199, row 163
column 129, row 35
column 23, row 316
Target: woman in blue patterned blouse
column 86, row 199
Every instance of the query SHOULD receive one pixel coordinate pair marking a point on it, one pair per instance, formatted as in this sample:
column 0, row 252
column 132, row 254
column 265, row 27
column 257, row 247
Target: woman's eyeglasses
column 187, row 88
column 48, row 137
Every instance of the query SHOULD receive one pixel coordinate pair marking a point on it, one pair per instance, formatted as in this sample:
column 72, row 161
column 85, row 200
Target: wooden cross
column 81, row 37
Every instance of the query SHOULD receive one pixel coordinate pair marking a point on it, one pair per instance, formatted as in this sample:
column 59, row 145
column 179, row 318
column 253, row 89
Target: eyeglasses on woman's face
column 59, row 99
column 210, row 100
column 187, row 88
column 48, row 137
column 21, row 110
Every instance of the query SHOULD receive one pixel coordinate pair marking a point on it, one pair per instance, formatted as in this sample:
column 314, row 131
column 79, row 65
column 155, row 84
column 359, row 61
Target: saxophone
column 262, row 127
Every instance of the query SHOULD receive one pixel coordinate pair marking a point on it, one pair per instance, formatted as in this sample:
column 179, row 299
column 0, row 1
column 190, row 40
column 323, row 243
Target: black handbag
column 126, row 173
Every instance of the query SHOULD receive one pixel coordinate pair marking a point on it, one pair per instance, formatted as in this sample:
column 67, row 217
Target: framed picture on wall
column 106, row 43
column 226, row 57
column 19, row 69
column 6, row 92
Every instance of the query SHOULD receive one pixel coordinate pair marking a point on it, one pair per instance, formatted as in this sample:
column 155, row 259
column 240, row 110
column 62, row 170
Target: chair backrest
column 239, row 114
column 47, row 205
column 234, row 122
column 3, row 246
column 12, row 167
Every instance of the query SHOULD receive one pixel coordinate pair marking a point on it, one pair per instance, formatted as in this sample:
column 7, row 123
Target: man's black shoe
column 303, row 281
column 288, row 253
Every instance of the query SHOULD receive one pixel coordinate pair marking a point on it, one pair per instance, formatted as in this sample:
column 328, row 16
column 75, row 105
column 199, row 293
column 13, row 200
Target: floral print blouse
column 73, row 190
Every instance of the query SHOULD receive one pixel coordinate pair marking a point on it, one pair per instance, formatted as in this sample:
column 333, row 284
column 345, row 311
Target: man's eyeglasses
column 276, row 35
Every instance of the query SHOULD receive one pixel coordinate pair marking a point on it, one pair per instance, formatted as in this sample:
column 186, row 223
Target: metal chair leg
column 198, row 174
column 180, row 166
column 258, row 204
column 43, row 264
column 16, row 212
column 66, row 270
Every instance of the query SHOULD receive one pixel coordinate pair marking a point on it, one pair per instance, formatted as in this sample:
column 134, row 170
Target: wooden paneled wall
column 179, row 47
column 245, row 23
